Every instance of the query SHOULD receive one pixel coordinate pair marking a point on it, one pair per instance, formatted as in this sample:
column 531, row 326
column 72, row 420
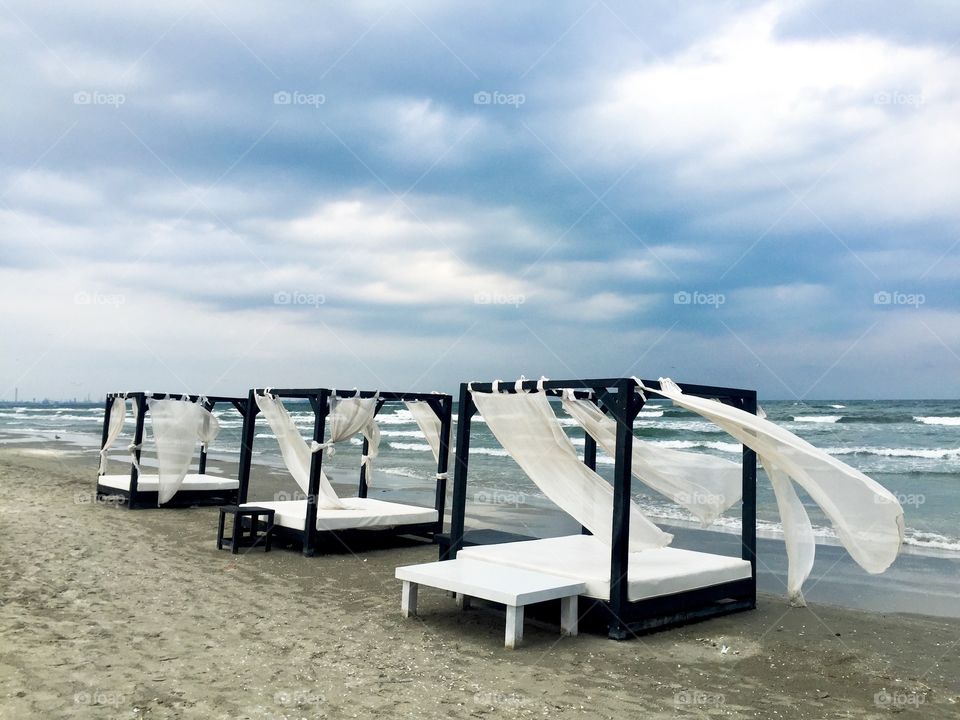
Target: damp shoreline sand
column 110, row 613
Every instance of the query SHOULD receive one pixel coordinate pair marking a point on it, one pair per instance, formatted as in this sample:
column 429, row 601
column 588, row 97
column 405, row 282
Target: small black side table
column 251, row 538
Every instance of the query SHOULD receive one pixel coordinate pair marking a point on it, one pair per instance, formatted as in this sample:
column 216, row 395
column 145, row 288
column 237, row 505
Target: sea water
column 911, row 447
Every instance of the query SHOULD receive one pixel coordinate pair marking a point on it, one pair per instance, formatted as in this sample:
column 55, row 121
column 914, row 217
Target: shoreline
column 917, row 579
column 87, row 443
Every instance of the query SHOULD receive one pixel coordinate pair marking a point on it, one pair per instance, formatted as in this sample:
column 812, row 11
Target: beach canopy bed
column 180, row 425
column 321, row 516
column 634, row 581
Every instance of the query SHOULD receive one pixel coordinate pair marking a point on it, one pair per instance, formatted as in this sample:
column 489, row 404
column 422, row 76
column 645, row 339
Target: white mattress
column 149, row 483
column 361, row 513
column 651, row 573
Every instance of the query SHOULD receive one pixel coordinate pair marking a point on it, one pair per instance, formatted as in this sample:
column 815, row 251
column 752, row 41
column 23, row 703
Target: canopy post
column 202, row 462
column 246, row 447
column 362, row 487
column 627, row 405
column 141, row 401
column 446, row 423
column 107, row 411
column 465, row 411
column 320, row 403
column 749, row 498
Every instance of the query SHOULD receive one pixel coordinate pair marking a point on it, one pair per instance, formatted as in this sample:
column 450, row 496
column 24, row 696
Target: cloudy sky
column 208, row 196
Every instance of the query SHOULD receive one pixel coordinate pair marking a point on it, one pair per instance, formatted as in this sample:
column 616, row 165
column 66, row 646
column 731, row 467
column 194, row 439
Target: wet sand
column 108, row 613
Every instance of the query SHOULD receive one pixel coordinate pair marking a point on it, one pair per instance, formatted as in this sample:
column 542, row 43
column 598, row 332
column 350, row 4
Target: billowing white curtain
column 118, row 414
column 867, row 517
column 527, row 428
column 704, row 484
column 428, row 422
column 178, row 425
column 209, row 430
column 295, row 451
column 347, row 417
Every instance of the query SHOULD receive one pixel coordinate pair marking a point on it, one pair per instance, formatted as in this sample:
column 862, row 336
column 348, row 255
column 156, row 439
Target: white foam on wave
column 604, row 459
column 928, row 453
column 495, row 452
column 931, row 540
column 402, row 472
column 769, row 529
column 402, row 433
column 704, row 426
column 397, row 417
column 730, row 447
column 932, row 420
column 838, row 407
column 817, row 418
column 423, row 447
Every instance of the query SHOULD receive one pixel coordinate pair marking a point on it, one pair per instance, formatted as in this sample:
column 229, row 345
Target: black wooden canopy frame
column 621, row 399
column 319, row 399
column 135, row 498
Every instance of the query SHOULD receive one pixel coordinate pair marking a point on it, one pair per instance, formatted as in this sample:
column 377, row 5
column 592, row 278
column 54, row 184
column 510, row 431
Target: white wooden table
column 513, row 587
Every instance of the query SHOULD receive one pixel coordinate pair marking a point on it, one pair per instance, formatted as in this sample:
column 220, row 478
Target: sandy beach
column 106, row 613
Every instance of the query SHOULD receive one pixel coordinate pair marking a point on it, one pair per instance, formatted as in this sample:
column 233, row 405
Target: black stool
column 251, row 538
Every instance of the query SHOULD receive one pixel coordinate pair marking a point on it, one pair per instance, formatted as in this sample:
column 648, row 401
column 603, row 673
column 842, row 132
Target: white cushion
column 659, row 571
column 148, row 483
column 360, row 513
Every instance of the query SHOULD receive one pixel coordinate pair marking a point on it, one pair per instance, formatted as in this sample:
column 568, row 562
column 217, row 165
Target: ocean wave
column 932, row 420
column 771, row 529
column 650, row 413
column 397, row 417
column 402, row 472
column 495, row 452
column 402, row 433
column 878, row 419
column 52, row 417
column 604, row 459
column 838, row 407
column 817, row 418
column 930, row 540
column 928, row 453
column 697, row 426
column 730, row 447
column 422, row 447
column 75, row 418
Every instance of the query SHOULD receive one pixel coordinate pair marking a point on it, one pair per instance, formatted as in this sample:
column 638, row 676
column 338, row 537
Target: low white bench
column 513, row 587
